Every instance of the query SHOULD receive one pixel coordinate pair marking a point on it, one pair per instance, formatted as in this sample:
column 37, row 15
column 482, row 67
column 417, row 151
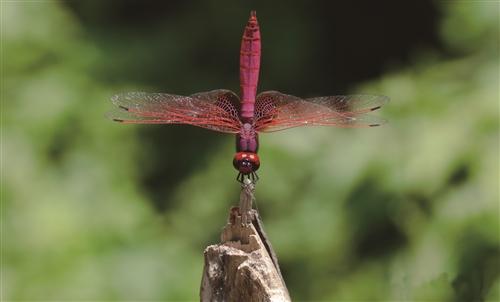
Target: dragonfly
column 224, row 111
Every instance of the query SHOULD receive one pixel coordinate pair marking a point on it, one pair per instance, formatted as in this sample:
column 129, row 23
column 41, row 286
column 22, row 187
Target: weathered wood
column 243, row 267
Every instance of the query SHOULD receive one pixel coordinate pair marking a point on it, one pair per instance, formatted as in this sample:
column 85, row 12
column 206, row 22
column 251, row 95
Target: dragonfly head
column 246, row 162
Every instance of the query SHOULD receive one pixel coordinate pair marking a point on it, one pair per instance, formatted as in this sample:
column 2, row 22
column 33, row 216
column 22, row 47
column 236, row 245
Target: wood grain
column 243, row 267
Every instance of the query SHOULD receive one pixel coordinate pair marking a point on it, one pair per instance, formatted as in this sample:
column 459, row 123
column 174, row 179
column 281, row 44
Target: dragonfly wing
column 215, row 110
column 277, row 111
column 356, row 103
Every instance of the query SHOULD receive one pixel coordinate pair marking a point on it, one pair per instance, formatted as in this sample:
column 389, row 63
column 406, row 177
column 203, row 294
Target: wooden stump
column 243, row 267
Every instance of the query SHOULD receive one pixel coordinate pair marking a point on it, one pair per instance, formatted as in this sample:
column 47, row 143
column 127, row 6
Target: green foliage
column 408, row 211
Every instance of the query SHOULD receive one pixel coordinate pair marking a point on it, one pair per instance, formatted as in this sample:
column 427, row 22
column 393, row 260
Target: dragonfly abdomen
column 249, row 67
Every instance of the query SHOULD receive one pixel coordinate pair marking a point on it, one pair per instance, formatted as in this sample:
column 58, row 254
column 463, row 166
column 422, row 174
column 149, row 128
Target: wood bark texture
column 243, row 267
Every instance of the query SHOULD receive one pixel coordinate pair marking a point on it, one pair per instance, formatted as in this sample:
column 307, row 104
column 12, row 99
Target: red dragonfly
column 222, row 110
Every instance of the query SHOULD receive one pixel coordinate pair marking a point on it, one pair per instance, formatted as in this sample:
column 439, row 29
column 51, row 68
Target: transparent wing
column 215, row 110
column 276, row 111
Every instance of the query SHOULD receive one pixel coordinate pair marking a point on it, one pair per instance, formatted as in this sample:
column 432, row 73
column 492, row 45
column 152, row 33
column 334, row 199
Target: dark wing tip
column 114, row 116
column 381, row 100
column 378, row 122
column 123, row 107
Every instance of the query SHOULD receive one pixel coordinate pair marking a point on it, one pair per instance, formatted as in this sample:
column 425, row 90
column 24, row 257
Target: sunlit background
column 95, row 210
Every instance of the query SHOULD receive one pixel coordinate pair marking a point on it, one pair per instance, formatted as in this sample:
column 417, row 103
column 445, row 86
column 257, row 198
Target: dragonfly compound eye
column 246, row 162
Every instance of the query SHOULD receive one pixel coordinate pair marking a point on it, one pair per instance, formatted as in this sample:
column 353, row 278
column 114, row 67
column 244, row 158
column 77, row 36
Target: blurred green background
column 94, row 210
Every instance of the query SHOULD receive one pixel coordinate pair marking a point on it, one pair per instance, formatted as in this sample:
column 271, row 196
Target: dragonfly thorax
column 247, row 139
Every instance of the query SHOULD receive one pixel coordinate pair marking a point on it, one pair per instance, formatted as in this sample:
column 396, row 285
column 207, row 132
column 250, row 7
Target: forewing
column 215, row 110
column 277, row 111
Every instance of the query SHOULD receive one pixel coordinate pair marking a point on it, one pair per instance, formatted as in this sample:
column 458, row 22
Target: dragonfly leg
column 254, row 177
column 240, row 177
